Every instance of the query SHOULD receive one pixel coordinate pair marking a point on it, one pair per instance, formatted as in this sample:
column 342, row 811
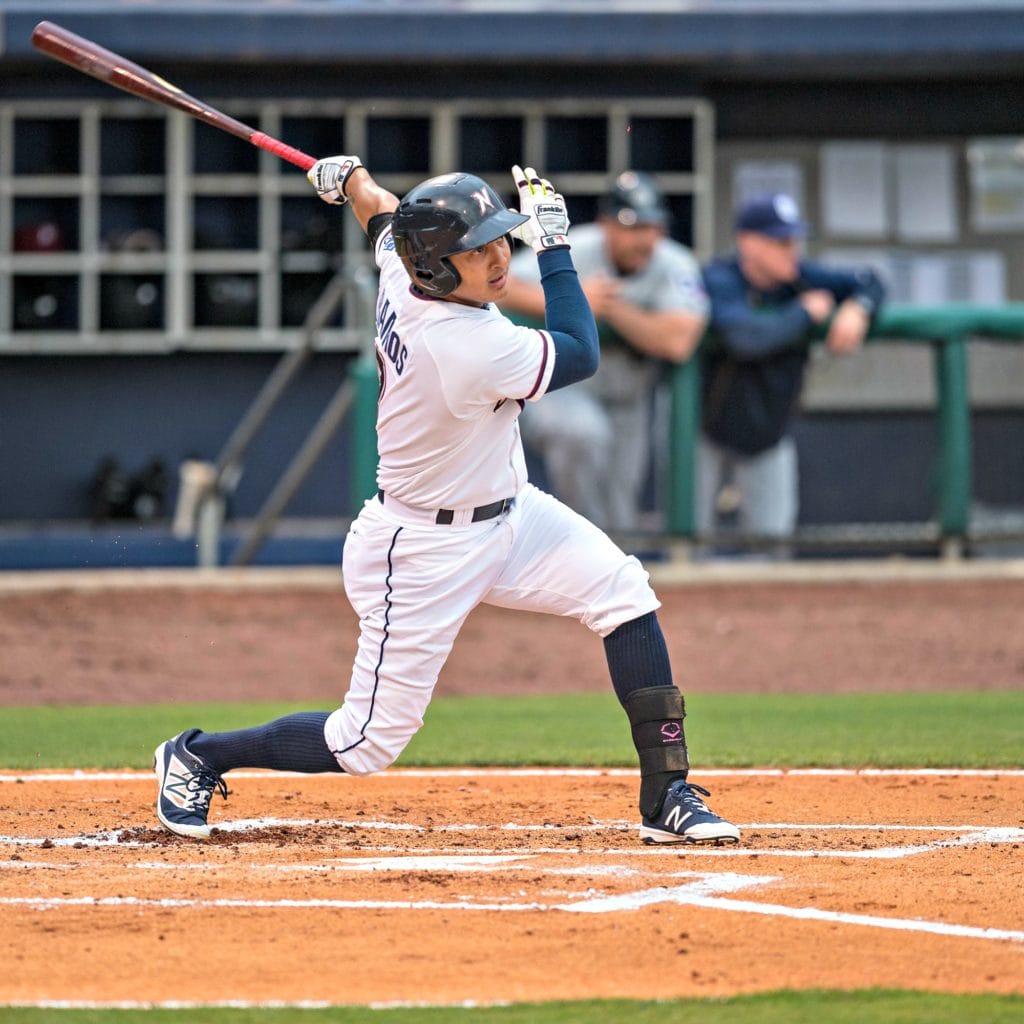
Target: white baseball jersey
column 452, row 380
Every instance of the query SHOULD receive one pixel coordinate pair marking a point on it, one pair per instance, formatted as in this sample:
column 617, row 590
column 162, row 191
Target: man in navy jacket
column 766, row 304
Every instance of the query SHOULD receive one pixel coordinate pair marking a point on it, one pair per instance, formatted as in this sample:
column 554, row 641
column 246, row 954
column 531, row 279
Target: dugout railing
column 946, row 329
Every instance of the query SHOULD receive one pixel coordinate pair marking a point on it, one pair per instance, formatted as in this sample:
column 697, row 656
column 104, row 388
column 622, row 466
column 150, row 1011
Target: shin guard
column 656, row 717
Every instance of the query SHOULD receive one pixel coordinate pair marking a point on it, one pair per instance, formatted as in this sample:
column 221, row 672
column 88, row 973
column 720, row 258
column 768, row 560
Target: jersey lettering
column 390, row 341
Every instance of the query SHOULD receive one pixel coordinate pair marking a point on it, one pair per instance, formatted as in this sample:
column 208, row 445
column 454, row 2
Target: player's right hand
column 538, row 200
column 330, row 175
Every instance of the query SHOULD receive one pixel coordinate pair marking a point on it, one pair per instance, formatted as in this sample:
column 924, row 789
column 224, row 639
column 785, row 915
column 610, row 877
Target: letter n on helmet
column 442, row 216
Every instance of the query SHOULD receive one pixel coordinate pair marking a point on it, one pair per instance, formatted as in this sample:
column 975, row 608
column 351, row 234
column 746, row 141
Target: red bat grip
column 283, row 150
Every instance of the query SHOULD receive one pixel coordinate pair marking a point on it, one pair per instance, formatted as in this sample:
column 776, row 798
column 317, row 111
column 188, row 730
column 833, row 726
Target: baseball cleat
column 186, row 786
column 685, row 818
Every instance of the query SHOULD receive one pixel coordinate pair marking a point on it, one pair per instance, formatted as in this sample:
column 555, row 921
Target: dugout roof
column 717, row 38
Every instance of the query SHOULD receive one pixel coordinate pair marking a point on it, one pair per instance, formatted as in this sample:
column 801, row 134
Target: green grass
column 809, row 1007
column 970, row 730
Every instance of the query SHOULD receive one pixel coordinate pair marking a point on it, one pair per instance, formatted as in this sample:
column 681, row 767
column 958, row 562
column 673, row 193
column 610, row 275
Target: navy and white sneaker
column 186, row 785
column 685, row 818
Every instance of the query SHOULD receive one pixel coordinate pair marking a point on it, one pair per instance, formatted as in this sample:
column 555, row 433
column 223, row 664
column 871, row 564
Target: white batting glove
column 330, row 175
column 549, row 220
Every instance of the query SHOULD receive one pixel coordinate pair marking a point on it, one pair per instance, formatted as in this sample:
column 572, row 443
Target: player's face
column 484, row 273
column 769, row 262
column 631, row 248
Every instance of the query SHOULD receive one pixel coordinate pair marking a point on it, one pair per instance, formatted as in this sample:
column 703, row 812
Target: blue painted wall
column 59, row 416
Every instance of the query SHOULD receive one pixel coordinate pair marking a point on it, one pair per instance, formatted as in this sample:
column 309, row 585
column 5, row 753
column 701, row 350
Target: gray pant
column 767, row 484
column 596, row 453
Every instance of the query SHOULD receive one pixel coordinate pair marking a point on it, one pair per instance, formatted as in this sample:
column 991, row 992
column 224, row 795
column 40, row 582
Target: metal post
column 209, row 519
column 684, row 423
column 954, row 416
column 363, row 479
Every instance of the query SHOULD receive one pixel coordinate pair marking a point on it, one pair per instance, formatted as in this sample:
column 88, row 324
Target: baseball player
column 766, row 301
column 648, row 298
column 455, row 521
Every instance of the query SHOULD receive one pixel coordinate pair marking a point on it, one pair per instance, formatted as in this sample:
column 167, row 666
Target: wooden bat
column 115, row 70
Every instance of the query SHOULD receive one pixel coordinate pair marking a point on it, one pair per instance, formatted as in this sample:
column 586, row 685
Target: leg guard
column 656, row 717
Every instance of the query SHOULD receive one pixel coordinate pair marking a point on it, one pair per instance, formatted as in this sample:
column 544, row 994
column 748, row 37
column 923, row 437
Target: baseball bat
column 91, row 59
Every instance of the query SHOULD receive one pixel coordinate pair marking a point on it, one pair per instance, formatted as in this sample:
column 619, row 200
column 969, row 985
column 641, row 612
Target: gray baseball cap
column 635, row 199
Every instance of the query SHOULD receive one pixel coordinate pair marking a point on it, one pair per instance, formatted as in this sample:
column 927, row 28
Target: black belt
column 446, row 516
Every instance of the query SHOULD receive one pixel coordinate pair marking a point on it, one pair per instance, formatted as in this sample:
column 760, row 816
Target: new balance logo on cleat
column 675, row 818
column 186, row 786
column 685, row 818
column 176, row 783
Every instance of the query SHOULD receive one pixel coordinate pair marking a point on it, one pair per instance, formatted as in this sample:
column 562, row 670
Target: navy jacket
column 753, row 363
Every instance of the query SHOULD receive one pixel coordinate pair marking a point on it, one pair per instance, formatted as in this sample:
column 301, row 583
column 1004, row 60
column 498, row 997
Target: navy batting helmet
column 633, row 199
column 443, row 216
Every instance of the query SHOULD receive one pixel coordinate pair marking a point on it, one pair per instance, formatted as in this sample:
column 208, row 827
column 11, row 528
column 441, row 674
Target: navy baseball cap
column 776, row 215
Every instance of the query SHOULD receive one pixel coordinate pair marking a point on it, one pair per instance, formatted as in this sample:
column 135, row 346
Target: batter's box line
column 970, row 835
column 101, row 775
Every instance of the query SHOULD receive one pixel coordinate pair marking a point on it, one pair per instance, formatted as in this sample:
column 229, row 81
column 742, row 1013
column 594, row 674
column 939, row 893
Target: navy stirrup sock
column 294, row 743
column 637, row 656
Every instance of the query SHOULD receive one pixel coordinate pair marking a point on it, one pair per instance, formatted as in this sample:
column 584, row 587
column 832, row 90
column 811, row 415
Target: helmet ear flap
column 438, row 284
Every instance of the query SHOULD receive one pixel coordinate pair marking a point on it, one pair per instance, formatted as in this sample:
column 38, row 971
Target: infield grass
column 870, row 1006
column 917, row 730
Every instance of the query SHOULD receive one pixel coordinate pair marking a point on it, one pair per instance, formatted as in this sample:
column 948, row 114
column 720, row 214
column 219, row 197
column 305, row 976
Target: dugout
column 152, row 271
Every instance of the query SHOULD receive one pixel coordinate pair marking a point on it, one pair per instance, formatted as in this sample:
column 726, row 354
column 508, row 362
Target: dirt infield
column 75, row 645
column 440, row 887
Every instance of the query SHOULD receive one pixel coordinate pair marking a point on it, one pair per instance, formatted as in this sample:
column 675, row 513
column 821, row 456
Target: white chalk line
column 244, row 1004
column 965, row 836
column 688, row 895
column 698, row 884
column 82, row 775
column 701, row 889
column 701, row 892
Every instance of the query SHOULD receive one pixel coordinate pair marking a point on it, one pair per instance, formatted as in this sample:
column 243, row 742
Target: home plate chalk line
column 703, row 889
column 709, row 890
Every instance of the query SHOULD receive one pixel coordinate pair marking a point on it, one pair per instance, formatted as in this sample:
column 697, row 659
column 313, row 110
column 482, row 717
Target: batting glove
column 330, row 175
column 549, row 220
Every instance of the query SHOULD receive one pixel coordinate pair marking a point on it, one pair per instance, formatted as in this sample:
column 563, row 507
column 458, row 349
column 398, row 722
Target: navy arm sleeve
column 749, row 333
column 862, row 283
column 568, row 320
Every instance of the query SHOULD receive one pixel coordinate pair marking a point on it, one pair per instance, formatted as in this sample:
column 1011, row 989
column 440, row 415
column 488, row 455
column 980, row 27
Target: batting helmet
column 633, row 199
column 444, row 216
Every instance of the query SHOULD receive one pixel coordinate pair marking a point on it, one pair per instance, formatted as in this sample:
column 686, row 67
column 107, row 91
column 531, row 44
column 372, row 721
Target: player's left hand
column 538, row 200
column 329, row 176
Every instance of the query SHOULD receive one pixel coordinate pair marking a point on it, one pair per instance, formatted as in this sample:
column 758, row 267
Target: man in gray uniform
column 648, row 299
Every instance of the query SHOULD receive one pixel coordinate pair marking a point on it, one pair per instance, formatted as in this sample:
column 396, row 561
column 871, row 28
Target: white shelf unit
column 174, row 236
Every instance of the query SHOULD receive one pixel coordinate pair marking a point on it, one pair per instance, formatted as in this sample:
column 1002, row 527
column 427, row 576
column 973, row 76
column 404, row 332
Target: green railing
column 947, row 329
